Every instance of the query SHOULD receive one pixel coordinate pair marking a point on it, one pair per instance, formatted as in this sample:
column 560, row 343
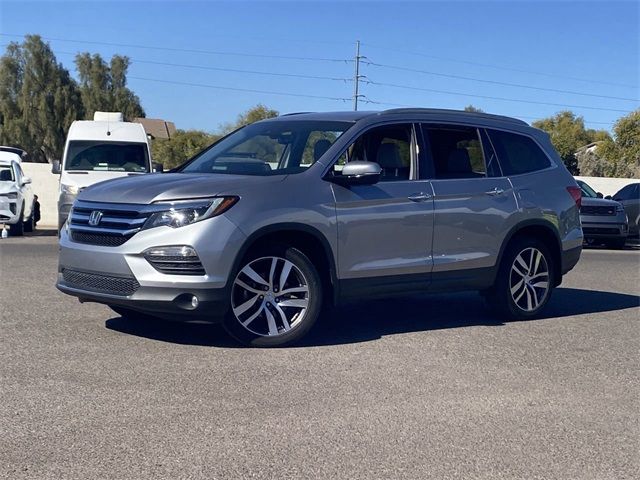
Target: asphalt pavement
column 419, row 387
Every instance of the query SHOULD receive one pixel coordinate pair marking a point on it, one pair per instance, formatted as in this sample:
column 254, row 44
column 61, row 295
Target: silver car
column 603, row 220
column 288, row 215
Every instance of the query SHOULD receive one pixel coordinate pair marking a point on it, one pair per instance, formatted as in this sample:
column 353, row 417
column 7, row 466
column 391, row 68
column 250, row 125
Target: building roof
column 157, row 127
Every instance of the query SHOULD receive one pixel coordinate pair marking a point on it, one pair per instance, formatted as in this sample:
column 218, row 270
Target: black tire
column 17, row 229
column 500, row 297
column 616, row 244
column 29, row 226
column 303, row 320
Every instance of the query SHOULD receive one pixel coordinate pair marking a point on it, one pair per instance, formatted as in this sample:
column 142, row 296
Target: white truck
column 100, row 150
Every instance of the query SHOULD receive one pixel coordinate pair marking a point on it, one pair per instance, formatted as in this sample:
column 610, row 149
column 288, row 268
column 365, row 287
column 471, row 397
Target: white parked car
column 16, row 197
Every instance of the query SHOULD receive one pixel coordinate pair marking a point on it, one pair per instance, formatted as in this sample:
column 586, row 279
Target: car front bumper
column 121, row 276
column 8, row 210
column 605, row 226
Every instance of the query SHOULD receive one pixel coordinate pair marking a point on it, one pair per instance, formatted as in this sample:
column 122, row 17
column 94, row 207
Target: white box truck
column 100, row 150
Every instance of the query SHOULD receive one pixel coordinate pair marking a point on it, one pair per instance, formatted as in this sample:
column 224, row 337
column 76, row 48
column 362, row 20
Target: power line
column 495, row 82
column 502, row 67
column 489, row 97
column 221, row 69
column 236, row 89
column 189, row 50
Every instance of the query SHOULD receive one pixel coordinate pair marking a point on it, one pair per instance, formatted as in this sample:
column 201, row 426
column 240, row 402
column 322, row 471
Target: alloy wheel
column 270, row 296
column 529, row 279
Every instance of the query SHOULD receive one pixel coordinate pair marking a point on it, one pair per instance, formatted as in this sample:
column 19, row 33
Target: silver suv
column 288, row 215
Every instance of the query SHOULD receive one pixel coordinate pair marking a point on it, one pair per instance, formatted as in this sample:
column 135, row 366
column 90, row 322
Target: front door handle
column 419, row 197
column 495, row 192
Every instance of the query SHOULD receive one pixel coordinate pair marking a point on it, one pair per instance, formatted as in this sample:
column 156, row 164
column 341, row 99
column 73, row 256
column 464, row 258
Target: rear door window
column 518, row 154
column 456, row 151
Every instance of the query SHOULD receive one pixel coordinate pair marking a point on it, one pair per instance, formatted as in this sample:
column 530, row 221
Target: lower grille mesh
column 98, row 239
column 124, row 286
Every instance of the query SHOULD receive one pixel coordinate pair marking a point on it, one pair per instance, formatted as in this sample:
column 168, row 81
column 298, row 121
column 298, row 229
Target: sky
column 527, row 59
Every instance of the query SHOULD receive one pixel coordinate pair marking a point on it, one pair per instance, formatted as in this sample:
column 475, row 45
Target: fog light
column 175, row 260
column 194, row 302
column 182, row 251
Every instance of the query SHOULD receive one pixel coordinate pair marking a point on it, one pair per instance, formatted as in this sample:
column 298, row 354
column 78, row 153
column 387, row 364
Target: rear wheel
column 276, row 297
column 525, row 280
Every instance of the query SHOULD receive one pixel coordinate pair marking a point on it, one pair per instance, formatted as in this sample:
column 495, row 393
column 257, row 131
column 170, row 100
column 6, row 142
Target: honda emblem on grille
column 95, row 217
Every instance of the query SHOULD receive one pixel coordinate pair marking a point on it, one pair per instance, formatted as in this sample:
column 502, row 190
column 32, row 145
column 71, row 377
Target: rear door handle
column 419, row 197
column 495, row 192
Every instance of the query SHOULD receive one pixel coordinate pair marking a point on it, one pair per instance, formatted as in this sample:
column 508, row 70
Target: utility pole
column 356, row 78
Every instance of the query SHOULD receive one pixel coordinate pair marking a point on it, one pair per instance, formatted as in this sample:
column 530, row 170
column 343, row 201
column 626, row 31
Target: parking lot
column 420, row 387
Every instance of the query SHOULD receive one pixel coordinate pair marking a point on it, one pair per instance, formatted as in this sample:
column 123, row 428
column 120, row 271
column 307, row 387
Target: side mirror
column 599, row 195
column 158, row 167
column 26, row 180
column 608, row 197
column 55, row 167
column 358, row 173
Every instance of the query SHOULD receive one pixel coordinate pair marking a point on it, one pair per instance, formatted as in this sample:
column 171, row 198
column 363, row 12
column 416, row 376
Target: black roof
column 351, row 116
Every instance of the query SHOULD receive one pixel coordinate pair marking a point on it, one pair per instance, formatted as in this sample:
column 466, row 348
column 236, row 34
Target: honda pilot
column 287, row 215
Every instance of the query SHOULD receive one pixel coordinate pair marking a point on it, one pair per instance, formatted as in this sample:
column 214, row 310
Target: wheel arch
column 305, row 238
column 542, row 230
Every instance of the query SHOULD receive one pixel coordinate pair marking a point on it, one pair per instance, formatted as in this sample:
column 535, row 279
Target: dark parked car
column 629, row 196
column 603, row 220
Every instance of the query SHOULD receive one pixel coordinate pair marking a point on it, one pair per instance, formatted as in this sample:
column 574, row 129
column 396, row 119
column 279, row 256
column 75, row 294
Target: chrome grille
column 598, row 210
column 94, row 282
column 116, row 224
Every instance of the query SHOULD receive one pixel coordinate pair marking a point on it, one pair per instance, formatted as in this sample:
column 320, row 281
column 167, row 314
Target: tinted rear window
column 517, row 153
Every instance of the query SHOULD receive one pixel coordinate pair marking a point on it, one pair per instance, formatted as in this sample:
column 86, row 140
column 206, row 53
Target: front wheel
column 525, row 280
column 276, row 297
column 17, row 229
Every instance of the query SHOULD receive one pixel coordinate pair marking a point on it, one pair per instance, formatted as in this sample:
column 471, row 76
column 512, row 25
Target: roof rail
column 294, row 113
column 455, row 112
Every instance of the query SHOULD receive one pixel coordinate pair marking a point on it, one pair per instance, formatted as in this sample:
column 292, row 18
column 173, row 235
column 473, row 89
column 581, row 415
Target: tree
column 104, row 87
column 183, row 145
column 622, row 153
column 259, row 112
column 568, row 134
column 471, row 108
column 38, row 99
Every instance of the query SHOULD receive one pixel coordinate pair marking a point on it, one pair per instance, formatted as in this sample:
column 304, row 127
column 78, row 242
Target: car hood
column 598, row 202
column 145, row 189
column 83, row 179
column 7, row 186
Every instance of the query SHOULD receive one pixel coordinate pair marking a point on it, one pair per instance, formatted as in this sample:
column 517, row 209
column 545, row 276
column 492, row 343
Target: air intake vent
column 123, row 286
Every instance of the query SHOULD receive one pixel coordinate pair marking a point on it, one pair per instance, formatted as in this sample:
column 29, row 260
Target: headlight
column 619, row 208
column 70, row 189
column 12, row 195
column 186, row 212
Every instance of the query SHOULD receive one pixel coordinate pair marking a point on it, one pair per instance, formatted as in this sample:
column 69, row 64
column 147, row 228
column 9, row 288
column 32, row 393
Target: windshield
column 107, row 156
column 6, row 173
column 587, row 191
column 269, row 148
